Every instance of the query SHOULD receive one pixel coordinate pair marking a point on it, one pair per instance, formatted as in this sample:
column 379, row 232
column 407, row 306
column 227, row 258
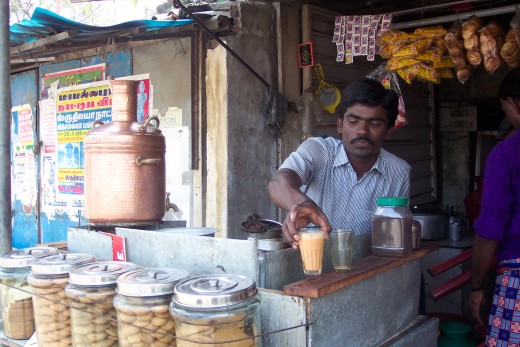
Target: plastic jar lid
column 150, row 281
column 99, row 273
column 392, row 201
column 214, row 291
column 455, row 328
column 60, row 263
column 21, row 258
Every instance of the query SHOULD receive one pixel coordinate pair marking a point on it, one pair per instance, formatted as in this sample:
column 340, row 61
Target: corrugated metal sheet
column 48, row 37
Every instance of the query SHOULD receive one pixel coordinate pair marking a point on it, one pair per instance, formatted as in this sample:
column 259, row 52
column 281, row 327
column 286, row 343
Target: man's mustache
column 361, row 138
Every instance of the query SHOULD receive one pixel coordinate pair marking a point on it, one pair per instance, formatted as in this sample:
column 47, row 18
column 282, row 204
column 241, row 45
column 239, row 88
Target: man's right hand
column 300, row 216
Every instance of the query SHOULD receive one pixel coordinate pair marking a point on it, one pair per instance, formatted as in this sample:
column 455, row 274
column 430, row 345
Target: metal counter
column 380, row 308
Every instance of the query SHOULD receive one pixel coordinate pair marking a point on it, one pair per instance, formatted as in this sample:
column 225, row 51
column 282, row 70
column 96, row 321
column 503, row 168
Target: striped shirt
column 329, row 179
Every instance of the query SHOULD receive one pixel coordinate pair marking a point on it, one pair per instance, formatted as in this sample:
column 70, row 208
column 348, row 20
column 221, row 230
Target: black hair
column 369, row 92
column 510, row 86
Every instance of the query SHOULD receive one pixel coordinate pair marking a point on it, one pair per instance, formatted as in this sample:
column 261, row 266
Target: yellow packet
column 428, row 73
column 445, row 73
column 433, row 32
column 432, row 55
column 397, row 63
column 443, row 63
column 393, row 37
column 405, row 75
column 388, row 51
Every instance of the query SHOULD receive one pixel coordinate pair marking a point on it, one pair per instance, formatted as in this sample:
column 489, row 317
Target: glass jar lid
column 150, row 281
column 60, row 263
column 99, row 273
column 25, row 257
column 392, row 201
column 214, row 291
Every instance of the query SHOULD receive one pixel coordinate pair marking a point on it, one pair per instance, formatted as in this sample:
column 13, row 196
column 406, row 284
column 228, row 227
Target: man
column 497, row 229
column 335, row 183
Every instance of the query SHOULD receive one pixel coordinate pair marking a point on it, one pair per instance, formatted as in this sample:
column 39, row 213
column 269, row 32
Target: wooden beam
column 32, row 60
column 42, row 42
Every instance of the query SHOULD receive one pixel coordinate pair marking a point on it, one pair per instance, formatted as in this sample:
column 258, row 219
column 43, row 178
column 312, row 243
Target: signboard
column 458, row 119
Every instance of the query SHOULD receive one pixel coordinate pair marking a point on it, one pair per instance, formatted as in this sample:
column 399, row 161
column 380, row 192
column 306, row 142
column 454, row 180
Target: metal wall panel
column 24, row 182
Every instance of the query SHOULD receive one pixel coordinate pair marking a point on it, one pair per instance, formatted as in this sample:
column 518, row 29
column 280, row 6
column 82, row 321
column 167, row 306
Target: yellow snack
column 394, row 37
column 388, row 51
column 443, row 63
column 427, row 73
column 432, row 55
column 406, row 76
column 445, row 73
column 397, row 63
column 414, row 49
column 434, row 32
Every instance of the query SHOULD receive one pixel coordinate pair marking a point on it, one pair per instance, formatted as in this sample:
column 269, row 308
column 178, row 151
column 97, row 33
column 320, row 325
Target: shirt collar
column 342, row 159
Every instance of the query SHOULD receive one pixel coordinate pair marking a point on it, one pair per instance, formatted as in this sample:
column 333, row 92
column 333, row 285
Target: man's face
column 363, row 130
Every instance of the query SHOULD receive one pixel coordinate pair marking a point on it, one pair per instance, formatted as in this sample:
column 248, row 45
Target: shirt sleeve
column 311, row 154
column 497, row 198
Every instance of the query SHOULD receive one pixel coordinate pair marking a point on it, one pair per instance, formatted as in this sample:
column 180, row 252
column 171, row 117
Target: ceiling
column 410, row 10
column 43, row 42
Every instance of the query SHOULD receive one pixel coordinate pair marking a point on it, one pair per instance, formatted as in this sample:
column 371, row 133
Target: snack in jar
column 217, row 310
column 15, row 292
column 48, row 279
column 91, row 292
column 141, row 302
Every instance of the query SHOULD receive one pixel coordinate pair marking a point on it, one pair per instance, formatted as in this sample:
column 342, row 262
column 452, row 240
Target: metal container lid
column 24, row 257
column 60, row 263
column 392, row 201
column 214, row 291
column 150, row 281
column 99, row 273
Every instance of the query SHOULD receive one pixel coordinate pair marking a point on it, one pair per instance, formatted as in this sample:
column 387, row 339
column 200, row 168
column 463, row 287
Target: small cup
column 311, row 243
column 341, row 249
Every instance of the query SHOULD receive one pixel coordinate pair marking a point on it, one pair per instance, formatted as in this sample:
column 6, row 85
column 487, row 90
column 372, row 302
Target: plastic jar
column 392, row 227
column 455, row 334
column 48, row 279
column 15, row 292
column 91, row 291
column 141, row 303
column 217, row 310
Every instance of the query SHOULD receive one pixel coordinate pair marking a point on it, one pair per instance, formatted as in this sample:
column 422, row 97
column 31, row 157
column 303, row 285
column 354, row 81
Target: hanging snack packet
column 389, row 80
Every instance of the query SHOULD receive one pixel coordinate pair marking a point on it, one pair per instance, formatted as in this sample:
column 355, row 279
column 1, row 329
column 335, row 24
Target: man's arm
column 284, row 190
column 482, row 257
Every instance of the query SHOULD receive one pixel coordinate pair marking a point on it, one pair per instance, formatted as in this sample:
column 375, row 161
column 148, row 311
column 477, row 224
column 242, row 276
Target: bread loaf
column 471, row 27
column 455, row 45
column 491, row 39
column 474, row 58
column 510, row 51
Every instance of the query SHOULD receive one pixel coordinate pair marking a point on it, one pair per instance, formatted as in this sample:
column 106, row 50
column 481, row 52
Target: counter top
column 328, row 282
column 465, row 242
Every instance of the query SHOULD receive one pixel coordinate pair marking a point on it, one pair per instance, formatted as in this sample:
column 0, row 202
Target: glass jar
column 217, row 310
column 15, row 292
column 141, row 303
column 91, row 292
column 48, row 279
column 392, row 227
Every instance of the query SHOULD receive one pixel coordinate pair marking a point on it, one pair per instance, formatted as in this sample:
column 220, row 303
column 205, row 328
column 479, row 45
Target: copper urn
column 125, row 181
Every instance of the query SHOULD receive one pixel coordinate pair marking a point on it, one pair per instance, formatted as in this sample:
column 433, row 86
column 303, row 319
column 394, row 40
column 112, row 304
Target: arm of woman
column 482, row 257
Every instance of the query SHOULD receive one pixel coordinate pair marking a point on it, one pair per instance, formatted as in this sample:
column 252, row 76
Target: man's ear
column 516, row 102
column 340, row 125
